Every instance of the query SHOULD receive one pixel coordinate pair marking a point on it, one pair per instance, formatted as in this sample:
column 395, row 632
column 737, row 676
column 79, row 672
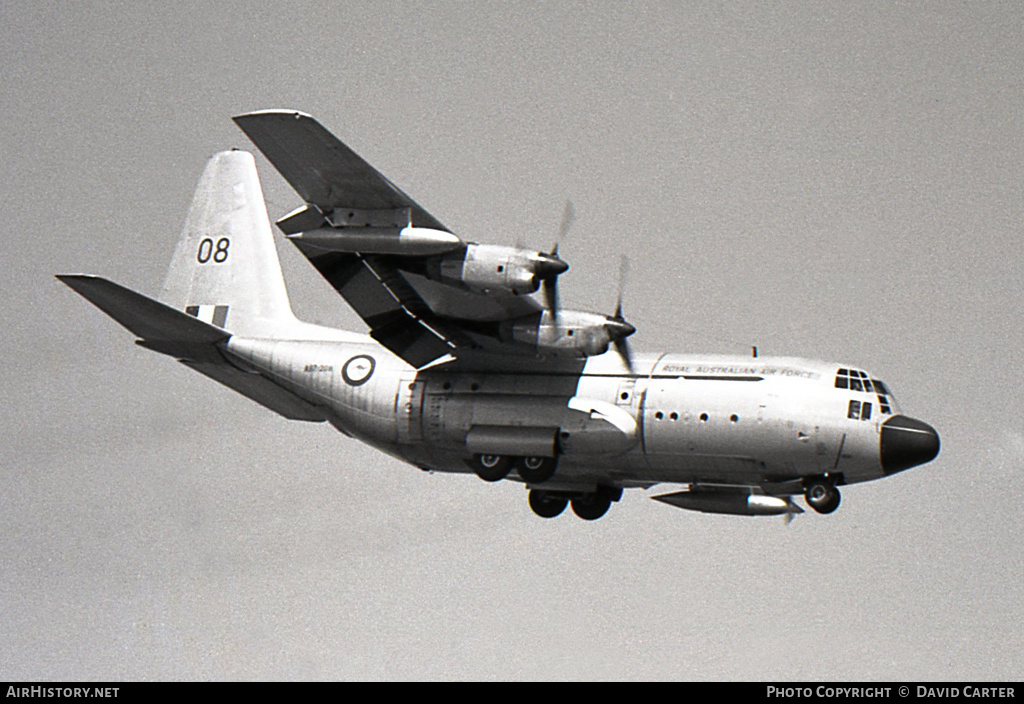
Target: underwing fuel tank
column 408, row 241
column 731, row 502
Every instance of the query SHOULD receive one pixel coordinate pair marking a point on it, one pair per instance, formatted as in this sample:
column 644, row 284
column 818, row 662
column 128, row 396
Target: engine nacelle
column 576, row 333
column 485, row 268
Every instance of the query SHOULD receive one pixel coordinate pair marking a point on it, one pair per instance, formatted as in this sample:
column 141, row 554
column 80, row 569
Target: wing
column 397, row 317
column 418, row 319
column 424, row 292
column 325, row 172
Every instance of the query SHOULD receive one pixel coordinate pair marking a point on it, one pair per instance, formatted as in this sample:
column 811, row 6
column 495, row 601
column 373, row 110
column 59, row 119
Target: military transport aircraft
column 471, row 365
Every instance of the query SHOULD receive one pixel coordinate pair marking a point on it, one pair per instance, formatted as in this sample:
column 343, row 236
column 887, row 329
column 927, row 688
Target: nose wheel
column 822, row 495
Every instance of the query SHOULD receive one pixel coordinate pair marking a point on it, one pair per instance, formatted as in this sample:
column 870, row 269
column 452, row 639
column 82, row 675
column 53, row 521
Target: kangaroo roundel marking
column 358, row 370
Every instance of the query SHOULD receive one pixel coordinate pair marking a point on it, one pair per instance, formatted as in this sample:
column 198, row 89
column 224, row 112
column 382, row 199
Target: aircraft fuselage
column 706, row 420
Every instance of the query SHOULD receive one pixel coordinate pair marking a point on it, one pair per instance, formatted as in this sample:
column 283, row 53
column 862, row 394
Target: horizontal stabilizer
column 261, row 390
column 161, row 327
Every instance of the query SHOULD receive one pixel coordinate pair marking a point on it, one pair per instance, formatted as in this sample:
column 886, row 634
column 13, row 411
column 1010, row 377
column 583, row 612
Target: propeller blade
column 550, row 287
column 553, row 266
column 622, row 347
column 568, row 218
column 618, row 328
column 623, row 272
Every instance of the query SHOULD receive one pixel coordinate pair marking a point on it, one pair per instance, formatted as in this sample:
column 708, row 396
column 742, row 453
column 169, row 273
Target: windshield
column 857, row 380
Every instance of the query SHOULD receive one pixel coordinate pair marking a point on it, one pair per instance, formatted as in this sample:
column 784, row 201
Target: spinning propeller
column 548, row 267
column 618, row 328
column 551, row 267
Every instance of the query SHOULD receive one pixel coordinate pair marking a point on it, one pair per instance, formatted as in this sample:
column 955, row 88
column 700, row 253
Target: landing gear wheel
column 547, row 505
column 491, row 468
column 822, row 496
column 535, row 470
column 590, row 507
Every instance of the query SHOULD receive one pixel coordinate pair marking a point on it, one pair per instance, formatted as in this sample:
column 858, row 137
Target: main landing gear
column 589, row 505
column 821, row 494
column 533, row 470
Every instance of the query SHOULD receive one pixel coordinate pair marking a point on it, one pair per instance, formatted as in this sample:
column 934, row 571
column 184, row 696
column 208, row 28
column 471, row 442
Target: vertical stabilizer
column 226, row 271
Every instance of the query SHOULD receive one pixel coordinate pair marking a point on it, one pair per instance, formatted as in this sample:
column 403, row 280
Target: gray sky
column 840, row 181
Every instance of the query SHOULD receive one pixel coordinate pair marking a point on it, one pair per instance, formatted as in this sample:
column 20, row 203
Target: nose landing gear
column 822, row 495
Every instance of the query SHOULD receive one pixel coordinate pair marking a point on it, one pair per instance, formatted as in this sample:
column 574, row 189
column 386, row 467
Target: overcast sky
column 839, row 181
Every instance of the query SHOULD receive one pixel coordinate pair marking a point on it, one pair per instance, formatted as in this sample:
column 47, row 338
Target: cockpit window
column 851, row 379
column 856, row 380
column 843, row 379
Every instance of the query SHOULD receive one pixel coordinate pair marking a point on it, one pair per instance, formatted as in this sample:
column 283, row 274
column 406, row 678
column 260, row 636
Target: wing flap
column 397, row 317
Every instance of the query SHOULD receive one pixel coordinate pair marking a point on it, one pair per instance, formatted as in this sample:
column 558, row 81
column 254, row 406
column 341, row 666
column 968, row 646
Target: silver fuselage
column 673, row 418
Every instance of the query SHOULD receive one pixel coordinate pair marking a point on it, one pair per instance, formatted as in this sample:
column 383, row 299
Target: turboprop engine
column 366, row 232
column 481, row 268
column 485, row 268
column 575, row 332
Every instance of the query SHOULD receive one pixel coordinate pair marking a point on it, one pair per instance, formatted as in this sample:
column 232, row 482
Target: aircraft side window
column 883, row 404
column 854, row 410
column 865, row 411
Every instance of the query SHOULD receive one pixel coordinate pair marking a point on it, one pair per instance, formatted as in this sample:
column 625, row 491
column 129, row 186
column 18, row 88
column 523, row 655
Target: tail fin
column 225, row 270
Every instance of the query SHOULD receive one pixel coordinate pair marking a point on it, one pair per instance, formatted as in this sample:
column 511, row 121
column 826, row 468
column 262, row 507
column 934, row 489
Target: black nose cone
column 907, row 442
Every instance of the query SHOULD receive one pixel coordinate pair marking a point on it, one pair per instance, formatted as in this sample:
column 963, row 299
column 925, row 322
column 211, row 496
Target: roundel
column 358, row 370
